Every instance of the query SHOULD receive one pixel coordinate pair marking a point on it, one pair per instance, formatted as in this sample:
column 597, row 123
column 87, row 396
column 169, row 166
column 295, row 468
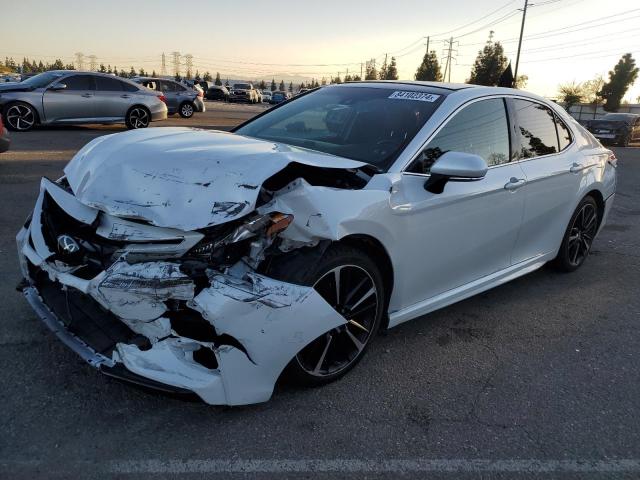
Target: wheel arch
column 599, row 199
column 378, row 253
column 14, row 102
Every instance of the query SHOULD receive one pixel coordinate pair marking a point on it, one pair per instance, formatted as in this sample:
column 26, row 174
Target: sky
column 564, row 40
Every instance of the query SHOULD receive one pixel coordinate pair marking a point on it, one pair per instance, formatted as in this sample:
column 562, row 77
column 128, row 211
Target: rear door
column 170, row 91
column 112, row 101
column 75, row 103
column 554, row 172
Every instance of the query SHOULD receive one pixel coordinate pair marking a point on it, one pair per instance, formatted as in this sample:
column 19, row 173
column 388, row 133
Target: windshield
column 242, row 86
column 618, row 117
column 369, row 124
column 42, row 79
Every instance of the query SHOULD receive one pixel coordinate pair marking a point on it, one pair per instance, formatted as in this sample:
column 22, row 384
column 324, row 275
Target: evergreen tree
column 142, row 73
column 281, row 86
column 392, row 70
column 347, row 78
column 324, row 81
column 371, row 72
column 489, row 65
column 153, row 74
column 109, row 69
column 273, row 85
column 226, row 84
column 197, row 77
column 262, row 85
column 622, row 76
column 218, row 81
column 102, row 68
column 429, row 69
column 207, row 77
column 115, row 70
column 123, row 74
column 132, row 72
column 290, row 87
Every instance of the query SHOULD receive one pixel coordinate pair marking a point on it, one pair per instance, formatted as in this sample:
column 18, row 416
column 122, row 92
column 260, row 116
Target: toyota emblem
column 67, row 245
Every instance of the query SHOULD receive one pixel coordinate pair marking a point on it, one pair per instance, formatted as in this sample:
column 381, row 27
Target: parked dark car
column 278, row 96
column 180, row 98
column 618, row 128
column 4, row 138
column 216, row 92
column 243, row 92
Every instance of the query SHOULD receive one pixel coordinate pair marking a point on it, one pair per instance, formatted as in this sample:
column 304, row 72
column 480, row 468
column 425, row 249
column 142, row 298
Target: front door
column 75, row 103
column 469, row 230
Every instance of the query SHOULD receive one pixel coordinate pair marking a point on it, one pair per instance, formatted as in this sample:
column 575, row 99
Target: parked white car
column 266, row 96
column 212, row 262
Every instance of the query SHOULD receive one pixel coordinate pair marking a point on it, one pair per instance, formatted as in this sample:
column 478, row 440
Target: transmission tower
column 188, row 60
column 176, row 63
column 93, row 64
column 163, row 68
column 450, row 55
column 79, row 60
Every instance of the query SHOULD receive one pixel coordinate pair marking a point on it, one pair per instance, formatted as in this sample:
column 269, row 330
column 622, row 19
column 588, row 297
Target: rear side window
column 168, row 86
column 128, row 87
column 537, row 129
column 564, row 134
column 480, row 128
column 78, row 82
column 107, row 84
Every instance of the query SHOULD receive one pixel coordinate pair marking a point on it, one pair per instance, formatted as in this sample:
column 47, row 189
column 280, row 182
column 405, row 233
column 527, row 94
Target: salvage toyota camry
column 212, row 263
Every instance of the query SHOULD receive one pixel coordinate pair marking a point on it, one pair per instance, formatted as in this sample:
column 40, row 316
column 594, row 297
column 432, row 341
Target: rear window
column 361, row 123
column 242, row 86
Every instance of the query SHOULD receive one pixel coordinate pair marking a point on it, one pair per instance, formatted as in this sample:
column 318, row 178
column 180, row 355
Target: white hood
column 181, row 177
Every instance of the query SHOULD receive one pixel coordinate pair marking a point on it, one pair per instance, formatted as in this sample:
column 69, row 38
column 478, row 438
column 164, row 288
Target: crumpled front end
column 147, row 304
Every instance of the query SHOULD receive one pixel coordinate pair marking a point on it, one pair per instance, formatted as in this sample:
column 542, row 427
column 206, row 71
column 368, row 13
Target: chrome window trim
column 414, row 157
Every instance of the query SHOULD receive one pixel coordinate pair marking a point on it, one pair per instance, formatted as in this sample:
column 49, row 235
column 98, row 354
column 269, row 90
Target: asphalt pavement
column 538, row 378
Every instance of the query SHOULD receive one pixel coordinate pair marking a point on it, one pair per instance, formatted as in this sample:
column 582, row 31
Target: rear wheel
column 351, row 283
column 186, row 110
column 20, row 116
column 579, row 236
column 137, row 117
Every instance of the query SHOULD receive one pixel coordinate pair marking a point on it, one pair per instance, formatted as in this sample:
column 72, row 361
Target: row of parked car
column 243, row 92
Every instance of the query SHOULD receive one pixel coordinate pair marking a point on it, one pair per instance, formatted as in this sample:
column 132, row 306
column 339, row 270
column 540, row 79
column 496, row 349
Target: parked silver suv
column 180, row 98
column 74, row 97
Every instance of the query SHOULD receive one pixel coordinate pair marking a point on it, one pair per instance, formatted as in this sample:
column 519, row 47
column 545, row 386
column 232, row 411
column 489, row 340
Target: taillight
column 613, row 161
column 162, row 98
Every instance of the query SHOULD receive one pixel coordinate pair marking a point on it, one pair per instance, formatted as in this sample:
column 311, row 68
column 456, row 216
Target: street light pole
column 524, row 15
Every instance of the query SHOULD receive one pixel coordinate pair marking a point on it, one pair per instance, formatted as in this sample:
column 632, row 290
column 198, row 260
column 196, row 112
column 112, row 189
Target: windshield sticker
column 416, row 96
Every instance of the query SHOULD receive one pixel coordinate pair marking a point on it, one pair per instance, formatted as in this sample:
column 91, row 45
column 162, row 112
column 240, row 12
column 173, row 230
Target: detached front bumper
column 149, row 323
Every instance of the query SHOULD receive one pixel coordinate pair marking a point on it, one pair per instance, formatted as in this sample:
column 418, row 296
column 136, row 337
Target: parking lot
column 535, row 378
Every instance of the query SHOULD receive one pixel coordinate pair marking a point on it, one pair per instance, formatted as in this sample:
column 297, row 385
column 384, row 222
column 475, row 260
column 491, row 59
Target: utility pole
column 176, row 63
column 524, row 15
column 163, row 69
column 428, row 45
column 361, row 77
column 449, row 58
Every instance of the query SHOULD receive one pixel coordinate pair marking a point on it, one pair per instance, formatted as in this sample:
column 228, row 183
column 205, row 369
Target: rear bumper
column 159, row 112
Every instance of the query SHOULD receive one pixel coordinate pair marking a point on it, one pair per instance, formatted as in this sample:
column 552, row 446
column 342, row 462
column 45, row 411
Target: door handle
column 577, row 167
column 87, row 95
column 515, row 183
column 125, row 96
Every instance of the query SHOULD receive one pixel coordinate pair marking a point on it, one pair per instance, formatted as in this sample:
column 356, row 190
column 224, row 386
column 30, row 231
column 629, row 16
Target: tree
column 592, row 90
column 571, row 94
column 273, row 85
column 290, row 87
column 371, row 72
column 489, row 65
column 177, row 77
column 392, row 70
column 429, row 69
column 226, row 84
column 132, row 72
column 262, row 85
column 347, row 78
column 622, row 76
column 324, row 81
column 115, row 70
column 356, row 78
column 382, row 74
column 521, row 81
column 217, row 80
column 197, row 77
column 142, row 73
column 153, row 73
column 281, row 86
column 102, row 68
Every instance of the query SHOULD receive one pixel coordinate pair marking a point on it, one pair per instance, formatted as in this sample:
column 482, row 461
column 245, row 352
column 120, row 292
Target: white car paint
column 442, row 247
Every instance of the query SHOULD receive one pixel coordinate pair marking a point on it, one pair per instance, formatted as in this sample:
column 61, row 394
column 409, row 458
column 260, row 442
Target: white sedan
column 214, row 263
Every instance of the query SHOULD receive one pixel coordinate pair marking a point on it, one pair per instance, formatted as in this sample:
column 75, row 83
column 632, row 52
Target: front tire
column 20, row 117
column 186, row 110
column 352, row 284
column 579, row 236
column 137, row 117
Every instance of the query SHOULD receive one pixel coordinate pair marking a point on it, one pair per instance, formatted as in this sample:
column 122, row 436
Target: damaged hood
column 180, row 177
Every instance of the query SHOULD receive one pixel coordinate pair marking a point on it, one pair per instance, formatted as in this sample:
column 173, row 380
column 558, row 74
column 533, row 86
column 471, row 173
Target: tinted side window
column 168, row 86
column 564, row 134
column 107, row 84
column 537, row 129
column 480, row 128
column 78, row 82
column 127, row 87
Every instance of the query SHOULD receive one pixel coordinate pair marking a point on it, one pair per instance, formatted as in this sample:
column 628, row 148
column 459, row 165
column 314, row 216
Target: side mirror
column 455, row 166
column 58, row 86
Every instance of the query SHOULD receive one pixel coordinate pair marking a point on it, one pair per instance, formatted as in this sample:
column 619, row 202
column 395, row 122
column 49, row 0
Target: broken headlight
column 269, row 225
